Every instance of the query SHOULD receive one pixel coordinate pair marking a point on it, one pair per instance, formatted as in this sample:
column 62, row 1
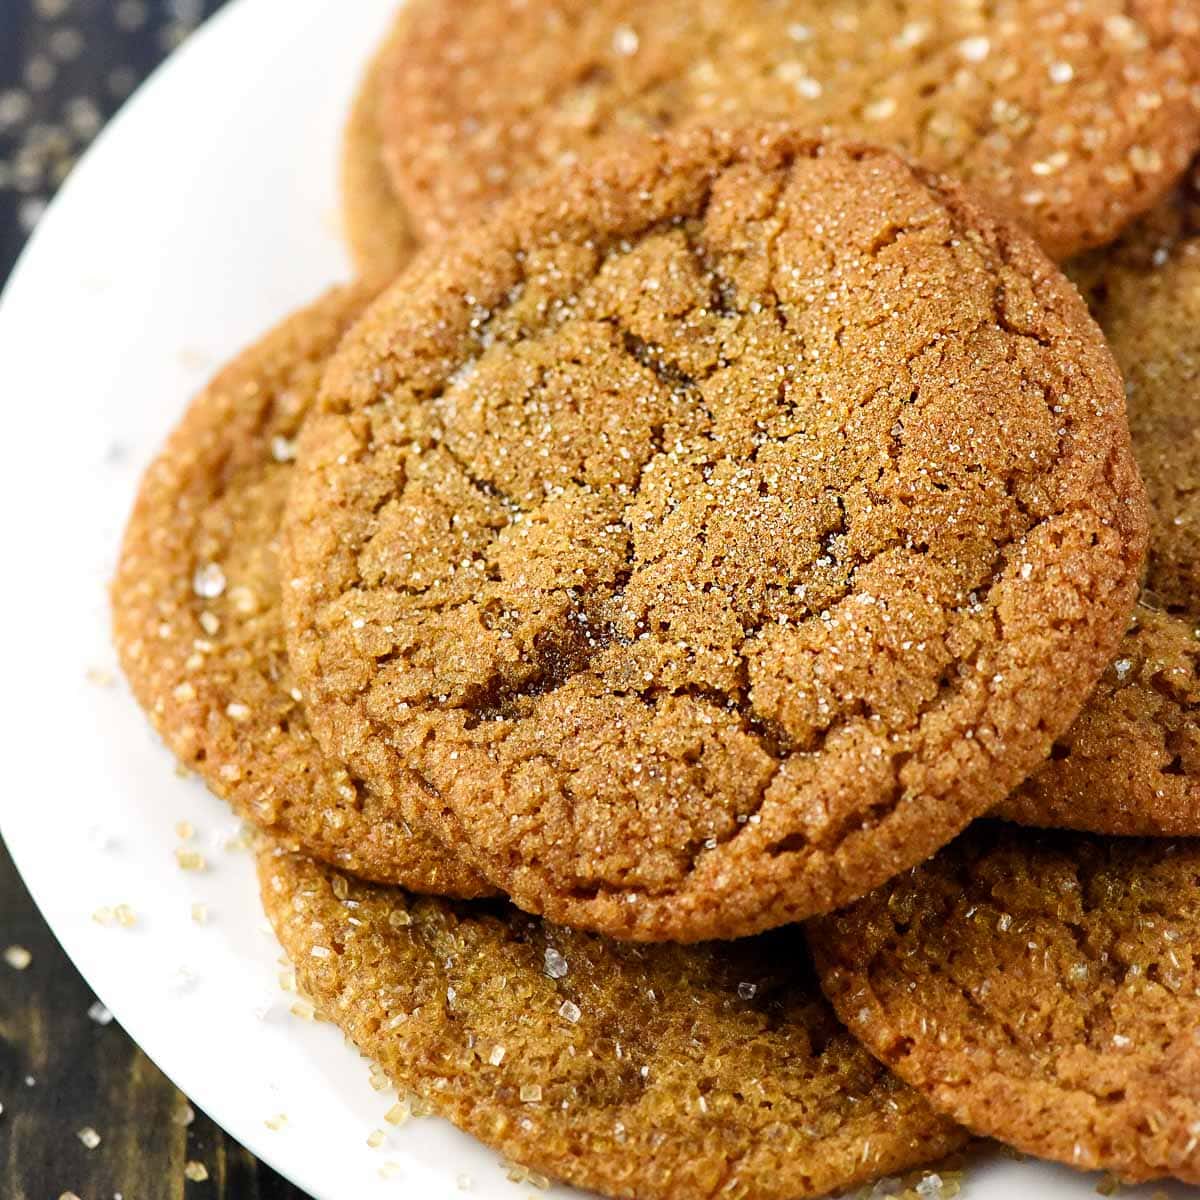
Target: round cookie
column 715, row 532
column 198, row 625
column 1131, row 763
column 1146, row 244
column 1043, row 989
column 660, row 1071
column 1077, row 117
column 378, row 230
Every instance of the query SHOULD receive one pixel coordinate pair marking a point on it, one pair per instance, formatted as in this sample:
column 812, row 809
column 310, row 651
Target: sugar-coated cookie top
column 715, row 532
column 662, row 1072
column 1042, row 988
column 1131, row 763
column 1076, row 116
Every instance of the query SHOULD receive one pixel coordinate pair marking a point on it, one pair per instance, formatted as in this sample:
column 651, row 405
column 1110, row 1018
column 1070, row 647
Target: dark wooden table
column 65, row 66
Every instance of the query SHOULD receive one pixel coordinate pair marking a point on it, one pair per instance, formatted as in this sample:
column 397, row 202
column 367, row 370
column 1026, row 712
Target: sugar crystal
column 625, row 41
column 208, row 581
column 975, row 49
column 98, row 1013
column 18, row 957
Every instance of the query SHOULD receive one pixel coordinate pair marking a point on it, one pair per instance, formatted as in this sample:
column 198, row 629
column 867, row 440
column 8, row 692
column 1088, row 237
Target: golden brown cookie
column 1078, row 117
column 1043, row 989
column 1145, row 244
column 715, row 532
column 1131, row 763
column 198, row 626
column 378, row 229
column 658, row 1072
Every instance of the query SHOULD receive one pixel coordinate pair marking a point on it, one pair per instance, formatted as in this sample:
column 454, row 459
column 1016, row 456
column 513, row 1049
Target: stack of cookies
column 765, row 442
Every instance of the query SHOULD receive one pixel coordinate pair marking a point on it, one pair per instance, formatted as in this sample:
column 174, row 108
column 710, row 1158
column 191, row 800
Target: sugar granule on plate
column 183, row 1115
column 120, row 914
column 182, row 980
column 190, row 860
column 89, row 1137
column 303, row 1009
column 197, row 1172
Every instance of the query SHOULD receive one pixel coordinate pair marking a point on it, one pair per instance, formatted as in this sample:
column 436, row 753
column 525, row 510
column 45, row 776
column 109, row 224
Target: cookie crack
column 558, row 659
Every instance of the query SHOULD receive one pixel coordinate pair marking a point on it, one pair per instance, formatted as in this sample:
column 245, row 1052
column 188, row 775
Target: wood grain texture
column 90, row 1075
column 60, row 1071
column 65, row 67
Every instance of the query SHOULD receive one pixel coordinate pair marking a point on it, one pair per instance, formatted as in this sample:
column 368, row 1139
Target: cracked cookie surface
column 1077, row 117
column 715, row 532
column 657, row 1071
column 198, row 625
column 1131, row 763
column 1041, row 988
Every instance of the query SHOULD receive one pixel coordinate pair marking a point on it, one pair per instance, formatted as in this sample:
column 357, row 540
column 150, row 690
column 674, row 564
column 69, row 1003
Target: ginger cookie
column 715, row 532
column 1076, row 117
column 1131, row 763
column 378, row 230
column 1146, row 244
column 198, row 625
column 653, row 1071
column 1041, row 988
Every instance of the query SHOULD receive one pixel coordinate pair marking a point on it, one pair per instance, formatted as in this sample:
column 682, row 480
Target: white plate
column 206, row 212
